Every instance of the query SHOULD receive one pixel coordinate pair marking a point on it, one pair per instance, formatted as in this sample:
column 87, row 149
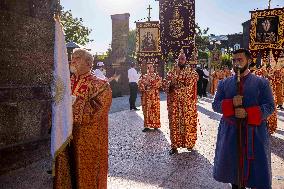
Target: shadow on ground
column 144, row 158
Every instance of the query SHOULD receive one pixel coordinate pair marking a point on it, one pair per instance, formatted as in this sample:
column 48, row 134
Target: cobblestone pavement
column 140, row 160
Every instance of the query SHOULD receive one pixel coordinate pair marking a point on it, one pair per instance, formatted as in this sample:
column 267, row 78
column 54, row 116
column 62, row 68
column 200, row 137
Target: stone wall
column 235, row 39
column 26, row 62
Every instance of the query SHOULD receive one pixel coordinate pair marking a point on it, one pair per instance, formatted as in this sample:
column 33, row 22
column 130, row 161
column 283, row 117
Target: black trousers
column 133, row 94
column 204, row 87
column 199, row 87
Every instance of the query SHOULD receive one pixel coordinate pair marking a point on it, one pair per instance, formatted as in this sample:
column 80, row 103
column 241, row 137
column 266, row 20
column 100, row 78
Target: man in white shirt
column 100, row 72
column 133, row 78
column 205, row 81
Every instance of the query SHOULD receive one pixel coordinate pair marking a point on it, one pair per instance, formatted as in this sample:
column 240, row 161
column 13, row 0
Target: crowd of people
column 245, row 98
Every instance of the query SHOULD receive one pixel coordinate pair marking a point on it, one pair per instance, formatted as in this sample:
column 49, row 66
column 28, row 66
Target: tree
column 131, row 51
column 226, row 59
column 74, row 29
column 201, row 38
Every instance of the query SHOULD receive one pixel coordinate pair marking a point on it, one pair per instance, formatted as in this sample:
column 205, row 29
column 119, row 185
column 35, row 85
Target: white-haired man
column 84, row 163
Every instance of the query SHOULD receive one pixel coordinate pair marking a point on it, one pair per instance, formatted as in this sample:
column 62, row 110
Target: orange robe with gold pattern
column 272, row 119
column 149, row 86
column 227, row 73
column 181, row 88
column 217, row 75
column 278, row 77
column 85, row 161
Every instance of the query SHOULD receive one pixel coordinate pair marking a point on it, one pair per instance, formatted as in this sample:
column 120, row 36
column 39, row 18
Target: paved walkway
column 140, row 160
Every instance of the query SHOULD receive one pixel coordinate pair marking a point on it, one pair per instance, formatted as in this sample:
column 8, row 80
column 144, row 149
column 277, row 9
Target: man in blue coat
column 253, row 105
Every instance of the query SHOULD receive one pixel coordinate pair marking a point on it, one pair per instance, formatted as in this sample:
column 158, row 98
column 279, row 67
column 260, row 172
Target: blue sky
column 221, row 16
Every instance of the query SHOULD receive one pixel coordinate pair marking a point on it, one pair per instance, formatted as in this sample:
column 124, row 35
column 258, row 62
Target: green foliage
column 226, row 59
column 131, row 51
column 203, row 55
column 170, row 62
column 74, row 29
column 201, row 38
column 108, row 52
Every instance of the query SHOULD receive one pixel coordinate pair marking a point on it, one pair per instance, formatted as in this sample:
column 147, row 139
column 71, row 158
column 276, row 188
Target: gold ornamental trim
column 270, row 42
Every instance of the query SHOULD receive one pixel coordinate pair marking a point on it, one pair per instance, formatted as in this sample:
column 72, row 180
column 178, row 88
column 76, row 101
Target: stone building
column 26, row 63
column 246, row 32
column 228, row 43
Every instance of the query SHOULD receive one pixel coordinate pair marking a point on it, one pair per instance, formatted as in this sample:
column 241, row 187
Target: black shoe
column 189, row 149
column 280, row 107
column 136, row 109
column 234, row 186
column 173, row 151
column 146, row 129
column 49, row 172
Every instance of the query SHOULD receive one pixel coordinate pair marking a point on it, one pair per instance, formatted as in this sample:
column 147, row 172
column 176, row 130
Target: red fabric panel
column 228, row 107
column 254, row 115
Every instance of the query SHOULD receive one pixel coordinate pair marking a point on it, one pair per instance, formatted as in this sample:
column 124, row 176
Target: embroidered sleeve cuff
column 254, row 115
column 228, row 107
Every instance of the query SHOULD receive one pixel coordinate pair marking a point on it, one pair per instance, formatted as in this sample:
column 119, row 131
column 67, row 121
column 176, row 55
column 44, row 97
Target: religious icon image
column 266, row 25
column 148, row 42
column 267, row 30
column 216, row 56
column 148, row 39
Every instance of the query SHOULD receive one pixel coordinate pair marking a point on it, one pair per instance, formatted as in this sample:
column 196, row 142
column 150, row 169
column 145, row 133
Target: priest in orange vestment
column 216, row 76
column 84, row 163
column 279, row 82
column 181, row 87
column 266, row 72
column 227, row 72
column 149, row 85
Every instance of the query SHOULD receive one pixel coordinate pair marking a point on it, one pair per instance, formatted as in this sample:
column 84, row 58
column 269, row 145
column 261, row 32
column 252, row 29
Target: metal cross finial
column 269, row 4
column 149, row 14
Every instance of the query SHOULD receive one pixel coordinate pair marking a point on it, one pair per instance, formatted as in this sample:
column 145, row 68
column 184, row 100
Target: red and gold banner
column 178, row 27
column 267, row 32
column 148, row 43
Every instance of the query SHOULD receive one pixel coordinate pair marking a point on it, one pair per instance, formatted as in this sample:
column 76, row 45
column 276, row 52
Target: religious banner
column 267, row 33
column 178, row 28
column 216, row 55
column 216, row 59
column 280, row 63
column 148, row 43
column 62, row 117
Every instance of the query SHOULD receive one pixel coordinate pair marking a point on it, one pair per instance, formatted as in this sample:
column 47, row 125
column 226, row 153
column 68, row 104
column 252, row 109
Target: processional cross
column 269, row 4
column 149, row 14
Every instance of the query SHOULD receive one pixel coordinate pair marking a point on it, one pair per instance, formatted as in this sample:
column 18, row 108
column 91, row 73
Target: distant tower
column 119, row 45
